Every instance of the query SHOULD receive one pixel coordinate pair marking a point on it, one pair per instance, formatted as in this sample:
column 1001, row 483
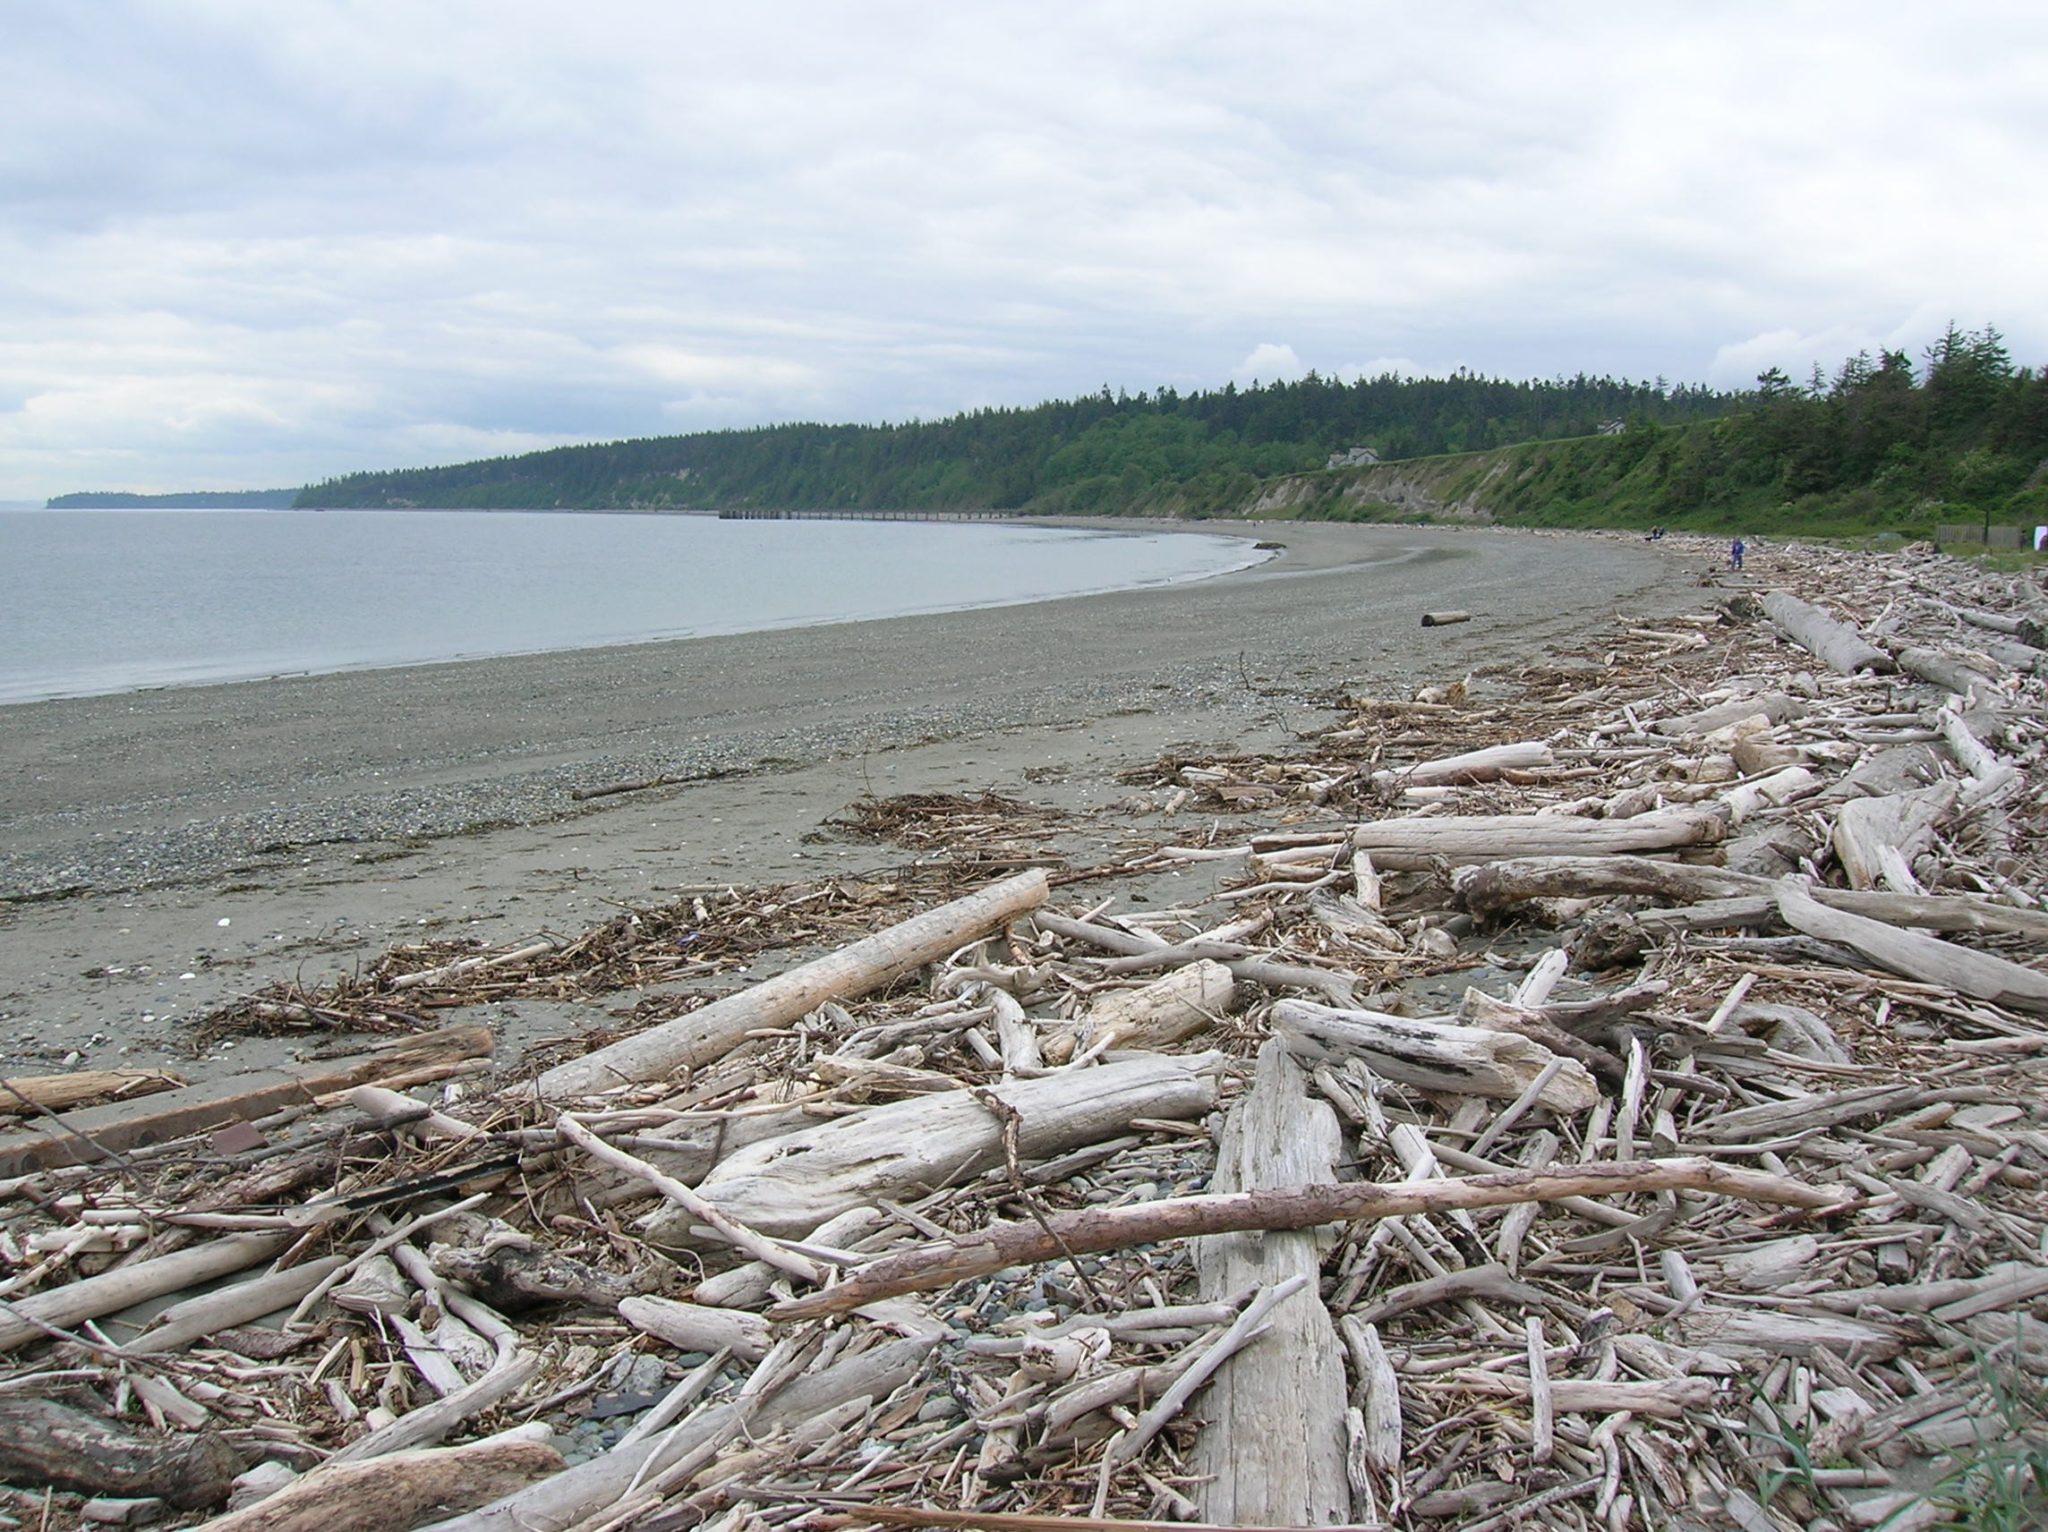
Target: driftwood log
column 866, row 965
column 392, row 1494
column 47, row 1443
column 1437, row 1055
column 1409, row 844
column 1833, row 642
column 82, row 1137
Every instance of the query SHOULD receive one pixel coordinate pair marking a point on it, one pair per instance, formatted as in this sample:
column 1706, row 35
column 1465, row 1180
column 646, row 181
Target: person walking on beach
column 1735, row 554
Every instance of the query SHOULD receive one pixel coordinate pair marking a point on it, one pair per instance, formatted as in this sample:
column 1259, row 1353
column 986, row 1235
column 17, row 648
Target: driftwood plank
column 80, row 1138
column 1437, row 1055
column 1272, row 1449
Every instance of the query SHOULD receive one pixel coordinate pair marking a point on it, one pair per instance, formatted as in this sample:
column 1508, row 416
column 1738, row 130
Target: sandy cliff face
column 1457, row 487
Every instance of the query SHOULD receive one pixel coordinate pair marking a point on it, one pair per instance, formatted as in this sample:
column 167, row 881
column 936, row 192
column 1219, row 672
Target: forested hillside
column 1884, row 443
column 195, row 500
column 1878, row 446
column 1193, row 453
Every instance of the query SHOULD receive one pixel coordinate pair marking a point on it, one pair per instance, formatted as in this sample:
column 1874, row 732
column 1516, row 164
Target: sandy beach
column 162, row 852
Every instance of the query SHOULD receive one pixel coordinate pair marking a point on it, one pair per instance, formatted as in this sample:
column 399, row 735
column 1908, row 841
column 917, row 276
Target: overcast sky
column 246, row 244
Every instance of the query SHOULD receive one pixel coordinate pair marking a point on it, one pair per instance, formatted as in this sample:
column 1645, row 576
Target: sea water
column 108, row 601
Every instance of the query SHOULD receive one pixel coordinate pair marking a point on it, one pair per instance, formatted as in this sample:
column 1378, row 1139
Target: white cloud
column 249, row 245
column 1269, row 363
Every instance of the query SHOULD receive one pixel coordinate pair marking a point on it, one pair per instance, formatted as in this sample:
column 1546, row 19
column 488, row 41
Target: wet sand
column 163, row 851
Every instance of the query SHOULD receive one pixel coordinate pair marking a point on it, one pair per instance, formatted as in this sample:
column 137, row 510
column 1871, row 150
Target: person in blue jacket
column 1735, row 554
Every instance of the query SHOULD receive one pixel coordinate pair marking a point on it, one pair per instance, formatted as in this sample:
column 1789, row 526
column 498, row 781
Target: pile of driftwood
column 1604, row 1092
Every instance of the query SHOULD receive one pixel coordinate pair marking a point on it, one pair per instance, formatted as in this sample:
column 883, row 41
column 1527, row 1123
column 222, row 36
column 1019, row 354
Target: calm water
column 103, row 601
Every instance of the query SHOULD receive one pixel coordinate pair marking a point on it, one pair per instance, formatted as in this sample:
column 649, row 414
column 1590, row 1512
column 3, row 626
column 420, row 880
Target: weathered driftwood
column 397, row 1492
column 1153, row 1016
column 114, row 1290
column 238, row 1303
column 44, row 1442
column 1876, row 839
column 697, row 1326
column 431, row 1422
column 1833, row 642
column 1408, row 844
column 1938, row 669
column 80, row 1138
column 1097, row 1229
column 1271, row 1450
column 789, row 1185
column 1486, row 765
column 1776, row 707
column 867, row 964
column 21, row 1094
column 1747, row 899
column 1444, row 619
column 1436, row 1055
column 1928, row 959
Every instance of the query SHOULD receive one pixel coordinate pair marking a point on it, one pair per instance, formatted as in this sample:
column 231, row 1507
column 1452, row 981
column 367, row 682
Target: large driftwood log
column 79, row 1138
column 1271, row 1452
column 23, row 1094
column 47, row 1443
column 866, row 965
column 391, row 1494
column 1928, row 959
column 789, row 1185
column 1411, row 844
column 1938, row 669
column 575, row 1494
column 1833, row 642
column 1090, row 1231
column 1436, row 1055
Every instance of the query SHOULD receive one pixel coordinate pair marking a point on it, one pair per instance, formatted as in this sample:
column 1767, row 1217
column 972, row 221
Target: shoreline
column 167, row 850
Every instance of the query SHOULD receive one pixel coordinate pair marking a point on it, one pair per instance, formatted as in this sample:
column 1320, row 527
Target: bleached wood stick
column 431, row 1422
column 698, row 1327
column 236, row 1304
column 868, row 964
column 1235, row 1339
column 1093, row 1230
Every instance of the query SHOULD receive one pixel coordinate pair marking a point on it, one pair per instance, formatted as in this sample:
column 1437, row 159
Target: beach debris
column 1604, row 1090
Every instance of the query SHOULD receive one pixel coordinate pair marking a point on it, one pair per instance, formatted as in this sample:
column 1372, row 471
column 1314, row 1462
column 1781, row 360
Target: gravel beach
column 164, row 850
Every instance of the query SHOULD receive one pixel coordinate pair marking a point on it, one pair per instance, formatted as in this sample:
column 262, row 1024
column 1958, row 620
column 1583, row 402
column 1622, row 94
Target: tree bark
column 46, row 1443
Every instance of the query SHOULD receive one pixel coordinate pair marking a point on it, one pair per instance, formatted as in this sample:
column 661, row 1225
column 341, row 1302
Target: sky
column 248, row 245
